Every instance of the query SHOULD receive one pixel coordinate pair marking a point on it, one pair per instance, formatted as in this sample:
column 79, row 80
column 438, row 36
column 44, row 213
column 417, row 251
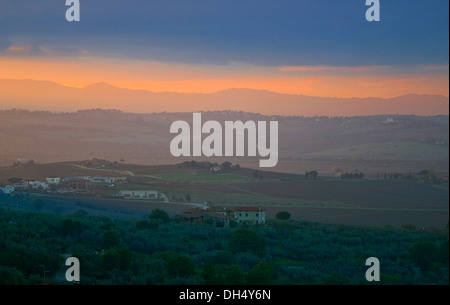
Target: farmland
column 373, row 202
column 365, row 193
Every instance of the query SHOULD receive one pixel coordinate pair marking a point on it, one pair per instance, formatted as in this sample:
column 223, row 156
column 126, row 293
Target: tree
column 224, row 258
column 234, row 275
column 444, row 252
column 424, row 254
column 125, row 258
column 179, row 265
column 424, row 173
column 159, row 215
column 146, row 225
column 111, row 239
column 336, row 279
column 226, row 167
column 283, row 215
column 313, row 174
column 261, row 274
column 246, row 240
column 38, row 204
column 110, row 260
column 209, row 273
column 70, row 227
column 14, row 180
column 188, row 197
column 80, row 214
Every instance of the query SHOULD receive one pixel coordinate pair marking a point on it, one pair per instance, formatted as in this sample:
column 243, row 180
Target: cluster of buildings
column 140, row 194
column 223, row 216
column 77, row 184
column 8, row 189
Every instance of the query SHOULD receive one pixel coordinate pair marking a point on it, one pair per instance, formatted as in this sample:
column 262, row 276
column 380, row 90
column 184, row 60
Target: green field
column 392, row 151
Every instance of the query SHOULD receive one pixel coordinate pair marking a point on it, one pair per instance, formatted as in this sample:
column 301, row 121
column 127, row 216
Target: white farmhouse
column 139, row 194
column 35, row 184
column 106, row 180
column 53, row 180
column 250, row 215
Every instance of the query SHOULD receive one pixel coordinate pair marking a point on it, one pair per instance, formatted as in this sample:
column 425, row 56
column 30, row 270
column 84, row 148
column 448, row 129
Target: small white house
column 120, row 180
column 9, row 189
column 107, row 180
column 53, row 180
column 388, row 121
column 139, row 194
column 35, row 184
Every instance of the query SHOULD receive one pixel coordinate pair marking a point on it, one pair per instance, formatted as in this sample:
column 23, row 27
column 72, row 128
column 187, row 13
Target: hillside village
column 61, row 185
column 220, row 216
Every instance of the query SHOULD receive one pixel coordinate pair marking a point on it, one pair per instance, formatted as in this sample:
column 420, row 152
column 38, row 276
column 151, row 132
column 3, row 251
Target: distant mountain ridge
column 46, row 95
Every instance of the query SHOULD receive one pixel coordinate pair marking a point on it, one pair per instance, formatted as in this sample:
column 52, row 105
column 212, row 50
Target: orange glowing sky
column 345, row 82
column 290, row 47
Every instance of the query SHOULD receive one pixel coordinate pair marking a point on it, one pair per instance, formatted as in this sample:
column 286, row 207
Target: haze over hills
column 371, row 144
column 45, row 95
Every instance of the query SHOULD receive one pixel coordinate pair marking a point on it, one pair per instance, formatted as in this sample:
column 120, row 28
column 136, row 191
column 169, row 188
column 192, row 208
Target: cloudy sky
column 311, row 47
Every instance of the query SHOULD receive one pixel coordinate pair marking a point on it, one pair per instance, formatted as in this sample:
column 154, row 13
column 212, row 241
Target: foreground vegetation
column 162, row 250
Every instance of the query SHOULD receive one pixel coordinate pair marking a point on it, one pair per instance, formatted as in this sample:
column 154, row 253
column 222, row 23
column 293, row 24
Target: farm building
column 221, row 211
column 120, row 180
column 65, row 179
column 53, row 180
column 139, row 194
column 108, row 180
column 7, row 189
column 78, row 184
column 220, row 217
column 250, row 214
column 35, row 184
column 194, row 215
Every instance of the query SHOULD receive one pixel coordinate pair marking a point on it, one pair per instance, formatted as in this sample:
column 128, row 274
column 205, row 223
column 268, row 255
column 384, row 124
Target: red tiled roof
column 248, row 209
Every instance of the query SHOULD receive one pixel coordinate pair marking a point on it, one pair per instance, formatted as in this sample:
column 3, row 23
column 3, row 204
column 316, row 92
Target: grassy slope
column 392, row 151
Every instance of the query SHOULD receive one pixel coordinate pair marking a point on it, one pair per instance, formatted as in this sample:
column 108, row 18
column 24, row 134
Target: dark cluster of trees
column 258, row 175
column 96, row 163
column 163, row 250
column 283, row 215
column 311, row 174
column 225, row 167
column 19, row 163
column 352, row 176
column 390, row 176
column 14, row 180
column 426, row 176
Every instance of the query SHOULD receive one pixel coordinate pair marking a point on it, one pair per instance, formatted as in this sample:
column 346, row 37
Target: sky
column 309, row 47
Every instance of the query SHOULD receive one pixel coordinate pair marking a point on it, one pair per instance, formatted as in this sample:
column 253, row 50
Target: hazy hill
column 44, row 95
